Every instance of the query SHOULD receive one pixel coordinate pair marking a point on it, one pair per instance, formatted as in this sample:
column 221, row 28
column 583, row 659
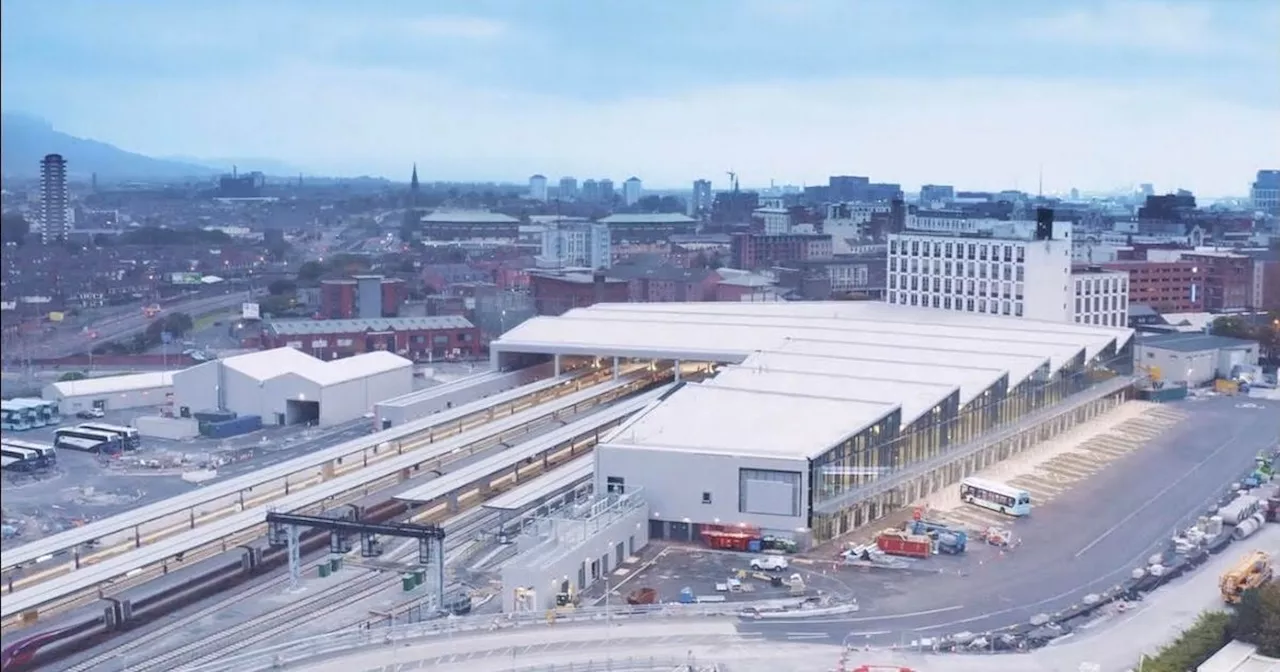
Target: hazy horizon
column 982, row 95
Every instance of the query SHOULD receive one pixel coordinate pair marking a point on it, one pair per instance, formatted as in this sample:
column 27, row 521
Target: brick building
column 1266, row 279
column 417, row 338
column 361, row 297
column 1165, row 286
column 555, row 293
column 749, row 251
column 1228, row 280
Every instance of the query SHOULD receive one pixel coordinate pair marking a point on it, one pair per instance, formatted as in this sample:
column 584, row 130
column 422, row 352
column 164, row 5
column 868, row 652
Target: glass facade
column 847, row 475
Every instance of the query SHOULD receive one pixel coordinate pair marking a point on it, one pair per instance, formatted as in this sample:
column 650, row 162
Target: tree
column 276, row 304
column 70, row 376
column 178, row 324
column 310, row 271
column 1257, row 619
column 14, row 228
column 1247, row 618
column 282, row 287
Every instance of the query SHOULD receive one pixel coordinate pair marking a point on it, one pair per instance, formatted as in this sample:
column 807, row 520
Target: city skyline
column 1102, row 95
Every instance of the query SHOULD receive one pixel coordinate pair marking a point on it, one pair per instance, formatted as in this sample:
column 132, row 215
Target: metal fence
column 339, row 643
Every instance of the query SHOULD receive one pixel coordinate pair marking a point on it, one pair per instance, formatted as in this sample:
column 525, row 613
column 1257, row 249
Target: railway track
column 459, row 533
column 273, row 623
column 335, row 597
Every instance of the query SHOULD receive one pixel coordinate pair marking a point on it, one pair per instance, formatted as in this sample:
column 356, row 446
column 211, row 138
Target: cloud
column 979, row 133
column 1141, row 24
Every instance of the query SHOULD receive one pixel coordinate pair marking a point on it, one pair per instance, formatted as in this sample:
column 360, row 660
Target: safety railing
column 338, row 643
column 629, row 664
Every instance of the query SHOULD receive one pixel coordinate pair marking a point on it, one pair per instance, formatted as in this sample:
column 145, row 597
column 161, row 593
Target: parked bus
column 18, row 459
column 88, row 440
column 130, row 438
column 15, row 417
column 46, row 455
column 996, row 496
column 44, row 412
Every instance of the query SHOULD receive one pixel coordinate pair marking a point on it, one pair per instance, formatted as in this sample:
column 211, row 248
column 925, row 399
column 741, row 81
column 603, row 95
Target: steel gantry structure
column 284, row 529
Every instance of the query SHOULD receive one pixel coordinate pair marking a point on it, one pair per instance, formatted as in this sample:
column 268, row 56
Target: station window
column 706, row 498
column 615, row 485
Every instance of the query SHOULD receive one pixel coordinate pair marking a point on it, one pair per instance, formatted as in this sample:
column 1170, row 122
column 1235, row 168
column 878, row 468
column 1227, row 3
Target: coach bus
column 130, row 438
column 16, row 417
column 18, row 459
column 87, row 440
column 996, row 496
column 45, row 453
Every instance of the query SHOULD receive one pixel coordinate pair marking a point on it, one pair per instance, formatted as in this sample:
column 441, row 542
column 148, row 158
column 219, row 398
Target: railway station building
column 809, row 420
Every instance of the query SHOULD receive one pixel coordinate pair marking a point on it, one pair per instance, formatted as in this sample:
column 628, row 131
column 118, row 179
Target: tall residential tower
column 53, row 198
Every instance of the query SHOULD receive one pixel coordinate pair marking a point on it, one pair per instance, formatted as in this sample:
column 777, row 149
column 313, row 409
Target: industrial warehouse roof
column 267, row 364
column 468, row 217
column 840, row 352
column 655, row 218
column 317, row 327
column 710, row 418
column 93, row 387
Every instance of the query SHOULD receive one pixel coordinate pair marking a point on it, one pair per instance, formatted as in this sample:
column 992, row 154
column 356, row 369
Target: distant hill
column 269, row 167
column 24, row 140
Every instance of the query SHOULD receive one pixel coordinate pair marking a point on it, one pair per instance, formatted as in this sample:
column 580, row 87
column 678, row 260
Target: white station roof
column 836, row 367
column 708, row 418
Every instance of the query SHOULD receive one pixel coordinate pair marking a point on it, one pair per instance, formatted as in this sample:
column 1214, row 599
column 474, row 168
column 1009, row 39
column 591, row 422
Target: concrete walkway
column 1113, row 644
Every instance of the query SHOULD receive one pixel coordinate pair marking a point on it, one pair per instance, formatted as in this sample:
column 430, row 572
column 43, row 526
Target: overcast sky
column 977, row 93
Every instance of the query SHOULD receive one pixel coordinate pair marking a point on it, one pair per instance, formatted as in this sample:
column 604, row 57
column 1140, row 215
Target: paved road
column 1085, row 540
column 1112, row 644
column 128, row 325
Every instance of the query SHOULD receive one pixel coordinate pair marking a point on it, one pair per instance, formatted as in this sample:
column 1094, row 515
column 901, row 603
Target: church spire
column 413, row 181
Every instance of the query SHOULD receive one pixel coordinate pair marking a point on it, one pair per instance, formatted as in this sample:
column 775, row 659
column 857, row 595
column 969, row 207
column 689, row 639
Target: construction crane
column 733, row 179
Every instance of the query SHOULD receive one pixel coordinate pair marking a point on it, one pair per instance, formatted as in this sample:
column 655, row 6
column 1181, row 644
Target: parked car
column 91, row 414
column 771, row 563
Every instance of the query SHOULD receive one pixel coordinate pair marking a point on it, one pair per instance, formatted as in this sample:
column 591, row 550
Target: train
column 145, row 603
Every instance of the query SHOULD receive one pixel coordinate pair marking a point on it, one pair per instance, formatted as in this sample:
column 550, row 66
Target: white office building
column 538, row 188
column 1101, row 297
column 632, row 190
column 1022, row 269
column 775, row 220
column 576, row 245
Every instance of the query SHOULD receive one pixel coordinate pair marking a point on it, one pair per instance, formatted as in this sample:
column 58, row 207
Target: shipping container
column 896, row 542
column 229, row 428
column 1171, row 393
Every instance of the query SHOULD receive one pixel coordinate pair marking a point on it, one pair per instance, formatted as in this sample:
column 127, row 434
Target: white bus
column 996, row 496
column 88, row 440
column 130, row 438
column 45, row 453
column 18, row 458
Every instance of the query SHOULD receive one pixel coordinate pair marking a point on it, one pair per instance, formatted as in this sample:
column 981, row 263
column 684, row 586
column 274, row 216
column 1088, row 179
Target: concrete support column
column 405, row 474
column 557, row 365
column 677, row 370
column 616, row 365
column 326, row 471
column 453, row 502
